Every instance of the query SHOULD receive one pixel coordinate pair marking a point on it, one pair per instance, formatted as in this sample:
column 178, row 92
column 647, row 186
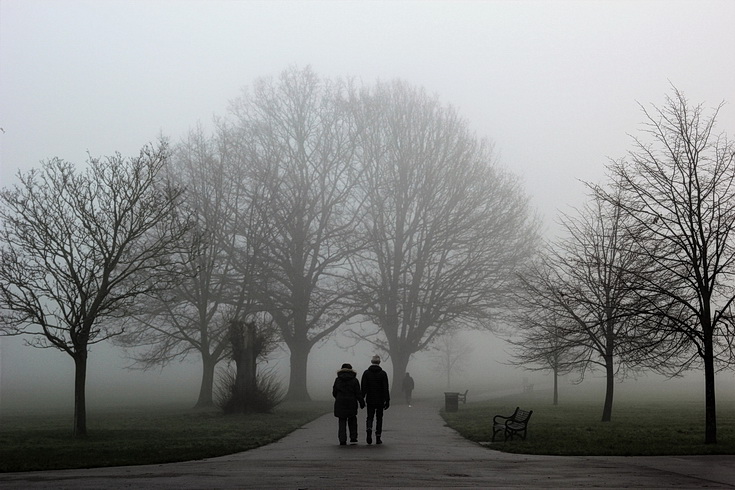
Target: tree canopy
column 80, row 246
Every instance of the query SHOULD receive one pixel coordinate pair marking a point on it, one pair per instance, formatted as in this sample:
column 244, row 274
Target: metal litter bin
column 451, row 401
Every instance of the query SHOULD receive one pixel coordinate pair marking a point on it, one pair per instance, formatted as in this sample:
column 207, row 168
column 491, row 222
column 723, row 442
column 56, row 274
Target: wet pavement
column 418, row 451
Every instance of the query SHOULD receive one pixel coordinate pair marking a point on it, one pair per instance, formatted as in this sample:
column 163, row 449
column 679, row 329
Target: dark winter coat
column 375, row 386
column 347, row 394
column 408, row 384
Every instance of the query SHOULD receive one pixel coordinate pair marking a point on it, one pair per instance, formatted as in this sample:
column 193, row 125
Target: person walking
column 347, row 395
column 377, row 398
column 408, row 388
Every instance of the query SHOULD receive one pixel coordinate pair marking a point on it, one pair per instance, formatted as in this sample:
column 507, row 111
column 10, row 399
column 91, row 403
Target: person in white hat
column 377, row 398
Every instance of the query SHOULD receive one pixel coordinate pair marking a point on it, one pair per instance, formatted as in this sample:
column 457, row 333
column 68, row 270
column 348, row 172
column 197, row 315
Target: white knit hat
column 375, row 359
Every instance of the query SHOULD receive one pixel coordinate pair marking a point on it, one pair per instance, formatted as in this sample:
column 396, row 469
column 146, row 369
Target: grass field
column 43, row 441
column 637, row 428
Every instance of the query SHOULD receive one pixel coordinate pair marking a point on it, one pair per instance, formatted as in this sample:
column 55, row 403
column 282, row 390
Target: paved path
column 418, row 452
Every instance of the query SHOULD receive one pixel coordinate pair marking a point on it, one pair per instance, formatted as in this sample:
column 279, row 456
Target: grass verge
column 636, row 429
column 142, row 436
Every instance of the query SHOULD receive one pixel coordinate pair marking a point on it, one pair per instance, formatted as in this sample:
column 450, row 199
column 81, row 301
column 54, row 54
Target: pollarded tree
column 193, row 317
column 80, row 247
column 678, row 189
column 246, row 391
column 298, row 139
column 446, row 227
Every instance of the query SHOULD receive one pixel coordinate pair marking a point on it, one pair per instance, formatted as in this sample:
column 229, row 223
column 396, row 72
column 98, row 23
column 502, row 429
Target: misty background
column 554, row 85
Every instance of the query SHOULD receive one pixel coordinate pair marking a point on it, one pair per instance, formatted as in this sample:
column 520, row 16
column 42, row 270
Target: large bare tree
column 298, row 135
column 678, row 188
column 80, row 246
column 445, row 226
column 193, row 317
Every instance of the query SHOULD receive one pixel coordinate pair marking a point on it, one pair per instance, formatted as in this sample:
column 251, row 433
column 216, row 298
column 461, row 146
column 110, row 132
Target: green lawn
column 141, row 436
column 137, row 436
column 643, row 428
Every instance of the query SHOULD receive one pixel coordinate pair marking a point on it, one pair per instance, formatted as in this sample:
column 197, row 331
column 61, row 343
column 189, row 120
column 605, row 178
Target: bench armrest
column 498, row 419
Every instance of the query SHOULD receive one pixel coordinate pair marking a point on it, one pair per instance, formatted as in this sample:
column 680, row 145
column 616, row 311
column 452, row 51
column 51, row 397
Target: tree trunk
column 400, row 364
column 243, row 338
column 297, row 390
column 80, row 401
column 609, row 389
column 710, row 407
column 245, row 378
column 207, row 385
column 556, row 386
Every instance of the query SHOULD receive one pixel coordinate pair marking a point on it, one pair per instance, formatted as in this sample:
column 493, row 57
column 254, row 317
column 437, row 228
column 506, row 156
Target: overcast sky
column 554, row 84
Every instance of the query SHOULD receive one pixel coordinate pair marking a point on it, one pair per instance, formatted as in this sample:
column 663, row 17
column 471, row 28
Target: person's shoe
column 369, row 438
column 342, row 443
column 377, row 439
column 353, row 441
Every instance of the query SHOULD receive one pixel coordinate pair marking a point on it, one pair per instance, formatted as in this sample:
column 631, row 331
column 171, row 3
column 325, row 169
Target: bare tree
column 445, row 226
column 539, row 345
column 450, row 353
column 677, row 188
column 299, row 137
column 585, row 286
column 194, row 316
column 80, row 247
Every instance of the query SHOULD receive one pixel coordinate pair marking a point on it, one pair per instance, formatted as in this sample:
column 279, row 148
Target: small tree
column 80, row 247
column 538, row 345
column 450, row 353
column 582, row 291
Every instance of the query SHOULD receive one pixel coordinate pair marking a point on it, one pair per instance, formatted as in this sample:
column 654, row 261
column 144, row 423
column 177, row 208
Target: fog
column 34, row 380
column 555, row 85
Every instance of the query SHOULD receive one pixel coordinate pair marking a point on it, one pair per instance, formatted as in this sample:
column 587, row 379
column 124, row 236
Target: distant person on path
column 377, row 397
column 347, row 395
column 408, row 388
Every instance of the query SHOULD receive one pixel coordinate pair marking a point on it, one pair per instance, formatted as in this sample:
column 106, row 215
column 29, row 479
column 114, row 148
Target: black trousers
column 377, row 414
column 344, row 422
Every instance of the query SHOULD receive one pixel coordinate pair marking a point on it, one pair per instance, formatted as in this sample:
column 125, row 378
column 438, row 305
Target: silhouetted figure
column 377, row 398
column 408, row 388
column 347, row 395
